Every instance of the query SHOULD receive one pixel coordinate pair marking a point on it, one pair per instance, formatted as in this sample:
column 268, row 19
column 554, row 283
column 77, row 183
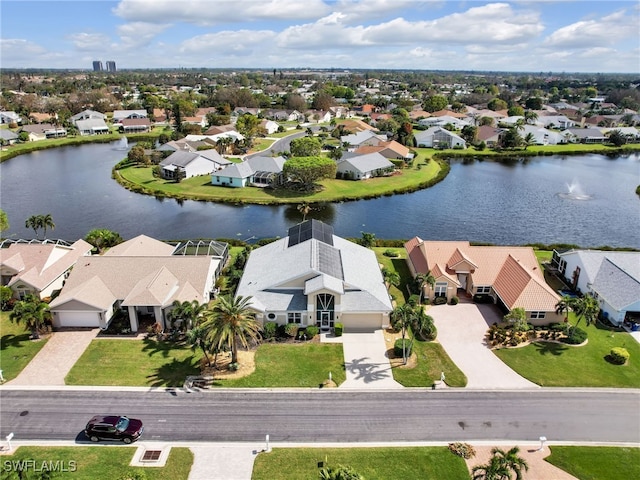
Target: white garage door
column 361, row 322
column 78, row 319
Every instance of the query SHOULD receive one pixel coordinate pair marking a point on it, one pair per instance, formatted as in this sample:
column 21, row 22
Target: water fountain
column 575, row 192
column 123, row 144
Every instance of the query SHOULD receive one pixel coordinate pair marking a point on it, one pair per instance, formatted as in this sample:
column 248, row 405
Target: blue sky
column 527, row 35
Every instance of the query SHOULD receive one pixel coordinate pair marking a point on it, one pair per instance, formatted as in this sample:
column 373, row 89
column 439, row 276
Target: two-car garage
column 364, row 322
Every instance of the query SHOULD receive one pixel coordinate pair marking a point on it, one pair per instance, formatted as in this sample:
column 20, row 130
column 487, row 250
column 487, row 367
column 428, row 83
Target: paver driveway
column 461, row 331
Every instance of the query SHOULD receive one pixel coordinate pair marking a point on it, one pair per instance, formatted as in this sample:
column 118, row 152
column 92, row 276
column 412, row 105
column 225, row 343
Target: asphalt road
column 332, row 415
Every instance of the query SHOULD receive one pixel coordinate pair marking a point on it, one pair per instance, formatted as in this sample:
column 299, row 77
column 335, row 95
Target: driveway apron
column 366, row 362
column 54, row 361
column 461, row 332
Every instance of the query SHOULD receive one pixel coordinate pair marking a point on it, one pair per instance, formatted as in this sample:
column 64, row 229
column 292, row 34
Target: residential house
column 7, row 137
column 119, row 115
column 391, row 150
column 218, row 129
column 9, row 117
column 510, row 276
column 160, row 116
column 611, row 277
column 360, row 139
column 586, row 135
column 202, row 162
column 418, row 114
column 43, row 131
column 632, row 134
column 87, row 115
column 182, row 144
column 543, row 136
column 139, row 279
column 269, row 126
column 38, row 267
column 135, row 125
column 38, row 117
column 438, row 137
column 555, row 121
column 238, row 111
column 256, row 171
column 361, row 167
column 318, row 116
column 492, row 137
column 199, row 120
column 313, row 277
column 443, row 120
column 92, row 126
column 356, row 125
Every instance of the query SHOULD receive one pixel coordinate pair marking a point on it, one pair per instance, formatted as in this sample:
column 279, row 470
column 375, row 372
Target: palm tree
column 401, row 318
column 197, row 338
column 229, row 321
column 494, row 470
column 586, row 307
column 423, row 279
column 102, row 238
column 34, row 222
column 529, row 139
column 564, row 306
column 47, row 222
column 511, row 460
column 423, row 325
column 390, row 277
column 304, row 208
column 185, row 312
column 530, row 117
column 32, row 312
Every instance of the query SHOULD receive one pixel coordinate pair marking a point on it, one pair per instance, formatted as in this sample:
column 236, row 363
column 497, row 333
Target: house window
column 537, row 315
column 441, row 289
column 294, row 317
column 562, row 266
column 271, row 316
column 483, row 289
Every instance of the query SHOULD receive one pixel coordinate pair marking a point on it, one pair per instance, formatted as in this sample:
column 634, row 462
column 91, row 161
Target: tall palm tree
column 32, row 312
column 587, row 308
column 530, row 117
column 529, row 139
column 401, row 318
column 197, row 338
column 47, row 222
column 304, row 208
column 494, row 470
column 564, row 306
column 34, row 222
column 231, row 321
column 423, row 279
column 423, row 325
column 511, row 460
column 186, row 312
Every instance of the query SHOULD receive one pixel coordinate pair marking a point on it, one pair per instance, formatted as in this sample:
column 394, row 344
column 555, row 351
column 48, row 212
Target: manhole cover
column 151, row 456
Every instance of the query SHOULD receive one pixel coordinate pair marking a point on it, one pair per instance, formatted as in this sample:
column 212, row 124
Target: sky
column 527, row 35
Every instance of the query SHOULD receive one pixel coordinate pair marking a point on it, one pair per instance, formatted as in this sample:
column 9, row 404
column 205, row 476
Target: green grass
column 262, row 144
column 103, row 462
column 597, row 463
column 16, row 349
column 293, row 365
column 399, row 265
column 141, row 179
column 134, row 363
column 432, row 361
column 559, row 365
column 435, row 463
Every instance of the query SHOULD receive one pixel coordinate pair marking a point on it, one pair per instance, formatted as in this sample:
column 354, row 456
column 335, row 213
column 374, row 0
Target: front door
column 325, row 319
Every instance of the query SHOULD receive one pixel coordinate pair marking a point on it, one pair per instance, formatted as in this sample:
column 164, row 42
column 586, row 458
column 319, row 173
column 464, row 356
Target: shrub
column 618, row 356
column 234, row 366
column 454, row 300
column 311, row 331
column 576, row 336
column 291, row 329
column 390, row 253
column 463, row 450
column 338, row 329
column 413, row 300
column 397, row 347
column 269, row 330
column 560, row 327
column 440, row 300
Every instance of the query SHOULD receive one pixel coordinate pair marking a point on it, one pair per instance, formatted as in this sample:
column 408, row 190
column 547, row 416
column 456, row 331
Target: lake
column 588, row 200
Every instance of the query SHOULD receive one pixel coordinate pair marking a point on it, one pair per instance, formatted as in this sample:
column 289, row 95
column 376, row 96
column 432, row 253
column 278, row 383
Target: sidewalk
column 52, row 364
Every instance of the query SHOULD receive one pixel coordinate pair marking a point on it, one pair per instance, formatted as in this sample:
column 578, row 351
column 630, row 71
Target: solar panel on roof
column 310, row 229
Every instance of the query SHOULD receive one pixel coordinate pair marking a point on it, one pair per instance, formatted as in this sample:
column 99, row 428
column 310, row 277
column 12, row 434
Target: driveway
column 367, row 365
column 461, row 331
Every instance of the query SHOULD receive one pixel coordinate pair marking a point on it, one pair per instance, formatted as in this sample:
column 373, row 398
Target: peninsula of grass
column 432, row 360
column 16, row 347
column 422, row 175
column 597, row 463
column 90, row 463
column 293, row 365
column 371, row 463
column 558, row 365
column 398, row 265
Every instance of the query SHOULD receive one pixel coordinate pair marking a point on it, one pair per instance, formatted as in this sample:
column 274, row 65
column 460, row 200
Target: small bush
column 576, row 336
column 291, row 329
column 440, row 300
column 397, row 347
column 391, row 253
column 338, row 328
column 269, row 330
column 311, row 331
column 454, row 300
column 560, row 327
column 618, row 356
column 463, row 450
column 234, row 366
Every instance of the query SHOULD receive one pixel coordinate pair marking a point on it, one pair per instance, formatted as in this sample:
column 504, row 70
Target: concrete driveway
column 366, row 362
column 461, row 331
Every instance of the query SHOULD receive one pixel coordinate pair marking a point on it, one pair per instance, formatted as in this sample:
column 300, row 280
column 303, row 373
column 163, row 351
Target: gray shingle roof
column 616, row 286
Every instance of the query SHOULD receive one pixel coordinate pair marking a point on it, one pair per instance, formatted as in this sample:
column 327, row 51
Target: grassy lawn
column 559, row 365
column 432, row 361
column 200, row 187
column 293, row 365
column 399, row 265
column 597, row 463
column 372, row 463
column 16, row 350
column 134, row 363
column 103, row 462
column 262, row 144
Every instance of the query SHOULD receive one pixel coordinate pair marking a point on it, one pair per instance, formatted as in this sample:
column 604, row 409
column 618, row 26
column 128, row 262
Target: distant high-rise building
column 97, row 66
column 111, row 66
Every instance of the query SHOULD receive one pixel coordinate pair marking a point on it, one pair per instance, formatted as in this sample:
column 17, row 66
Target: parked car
column 104, row 427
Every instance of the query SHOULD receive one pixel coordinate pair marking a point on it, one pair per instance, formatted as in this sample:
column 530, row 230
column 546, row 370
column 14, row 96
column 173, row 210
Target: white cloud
column 608, row 30
column 138, row 34
column 89, row 41
column 216, row 12
column 239, row 42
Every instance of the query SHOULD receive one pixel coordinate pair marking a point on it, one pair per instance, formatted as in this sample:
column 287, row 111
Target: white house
column 442, row 121
column 9, row 117
column 86, row 115
column 92, row 126
column 119, row 115
column 438, row 137
column 258, row 171
column 313, row 277
column 612, row 277
column 202, row 162
column 543, row 136
column 361, row 167
column 269, row 126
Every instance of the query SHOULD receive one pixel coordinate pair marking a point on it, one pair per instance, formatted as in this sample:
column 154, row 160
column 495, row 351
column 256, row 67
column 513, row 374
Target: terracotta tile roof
column 457, row 258
column 519, row 287
column 355, row 125
column 415, row 255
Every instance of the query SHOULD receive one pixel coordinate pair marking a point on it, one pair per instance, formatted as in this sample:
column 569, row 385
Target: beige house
column 38, row 267
column 140, row 278
column 509, row 276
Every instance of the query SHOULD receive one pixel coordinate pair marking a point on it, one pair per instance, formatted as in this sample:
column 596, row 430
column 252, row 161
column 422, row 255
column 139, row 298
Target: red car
column 113, row 428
